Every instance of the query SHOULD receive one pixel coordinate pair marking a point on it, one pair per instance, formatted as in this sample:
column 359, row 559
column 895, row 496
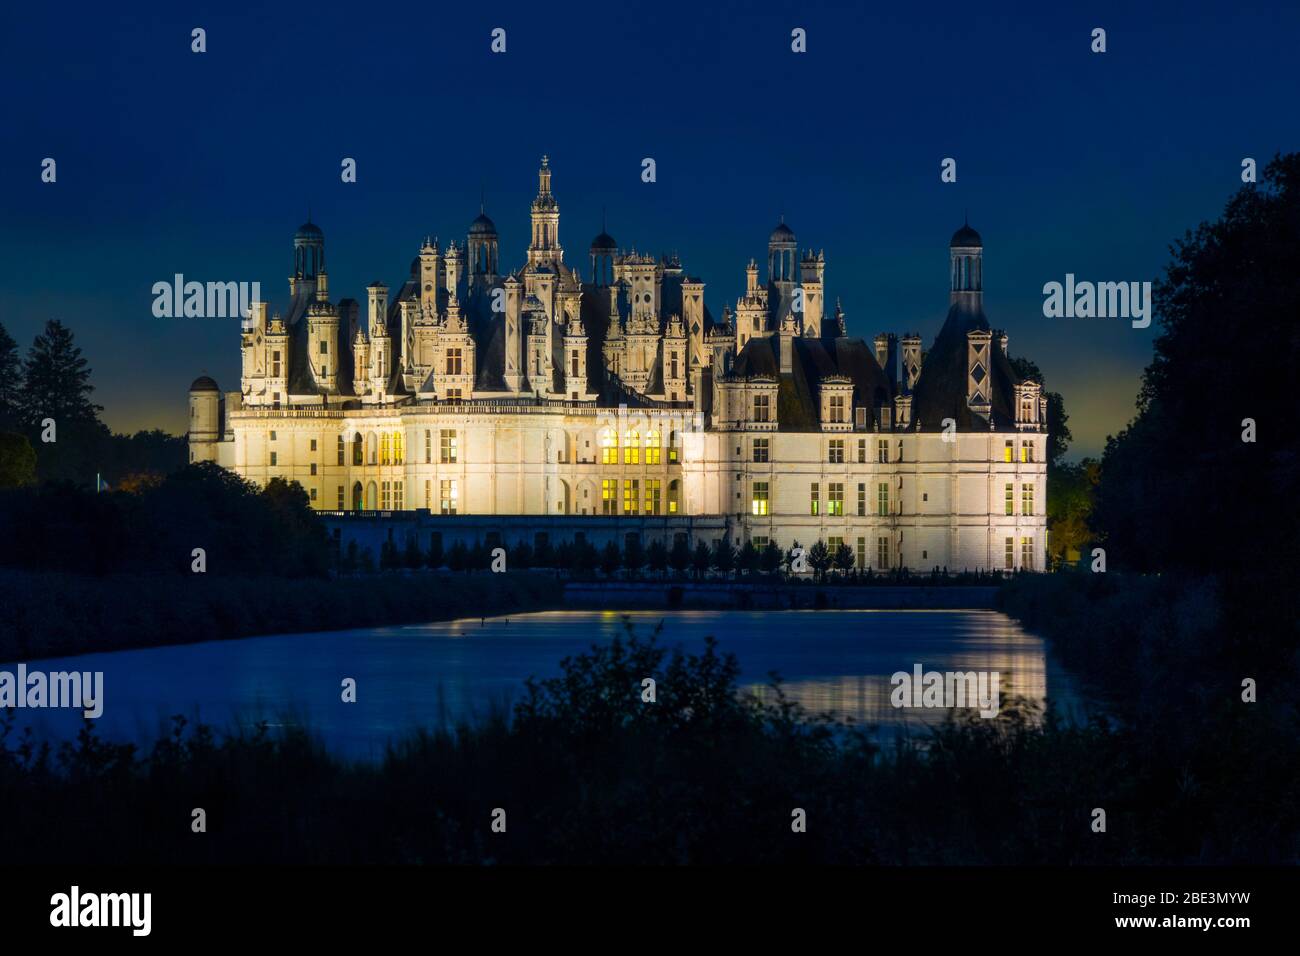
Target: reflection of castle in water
column 984, row 643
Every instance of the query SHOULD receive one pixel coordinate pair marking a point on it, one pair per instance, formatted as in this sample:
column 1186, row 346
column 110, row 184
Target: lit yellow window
column 632, row 448
column 758, row 503
column 608, row 496
column 609, row 447
column 1006, row 452
column 652, row 447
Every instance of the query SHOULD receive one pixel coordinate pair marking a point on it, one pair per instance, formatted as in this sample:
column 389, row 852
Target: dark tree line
column 48, row 394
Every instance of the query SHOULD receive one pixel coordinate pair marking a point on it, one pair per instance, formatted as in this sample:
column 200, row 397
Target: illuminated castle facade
column 612, row 392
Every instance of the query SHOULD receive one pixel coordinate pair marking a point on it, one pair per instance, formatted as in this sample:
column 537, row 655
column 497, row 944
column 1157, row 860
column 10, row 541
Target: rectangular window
column 324, row 347
column 448, row 496
column 762, row 408
column 342, row 502
column 275, row 364
column 385, row 496
column 862, row 451
column 1029, row 451
column 862, row 498
column 385, row 449
column 758, row 499
column 1026, row 499
column 759, row 541
column 313, row 444
column 833, row 545
column 882, row 498
column 1027, row 554
column 313, row 494
column 608, row 496
column 453, row 361
column 837, row 409
column 573, row 367
column 862, row 553
column 453, row 395
column 835, row 498
column 427, row 491
column 631, row 494
column 882, row 451
column 447, row 446
column 672, row 449
column 814, row 501
column 760, row 450
column 399, row 448
column 652, row 496
column 1009, row 557
column 397, row 496
column 1024, row 452
column 652, row 448
column 273, row 458
column 631, row 449
column 836, row 451
column 428, row 446
column 341, row 449
column 1011, row 499
column 882, row 553
column 272, row 434
column 1006, row 451
column 313, row 467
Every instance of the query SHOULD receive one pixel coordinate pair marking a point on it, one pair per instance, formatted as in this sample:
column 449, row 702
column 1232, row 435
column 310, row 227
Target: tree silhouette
column 701, row 558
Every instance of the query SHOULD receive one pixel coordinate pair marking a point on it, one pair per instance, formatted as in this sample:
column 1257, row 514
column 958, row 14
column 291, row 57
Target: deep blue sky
column 1068, row 161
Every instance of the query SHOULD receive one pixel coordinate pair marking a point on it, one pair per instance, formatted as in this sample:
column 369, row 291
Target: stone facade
column 618, row 395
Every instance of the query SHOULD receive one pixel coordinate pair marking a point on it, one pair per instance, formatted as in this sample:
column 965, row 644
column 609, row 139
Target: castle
column 470, row 401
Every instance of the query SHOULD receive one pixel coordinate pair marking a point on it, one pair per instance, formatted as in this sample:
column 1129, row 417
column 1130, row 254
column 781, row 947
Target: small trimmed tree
column 657, row 557
column 819, row 558
column 843, row 558
column 610, row 559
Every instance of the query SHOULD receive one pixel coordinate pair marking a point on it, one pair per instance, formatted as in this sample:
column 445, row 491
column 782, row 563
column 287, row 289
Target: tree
column 701, row 558
column 749, row 559
column 1069, row 507
column 1213, row 433
column 610, row 559
column 56, row 380
column 521, row 556
column 633, row 555
column 772, row 557
column 724, row 557
column 17, row 461
column 11, row 383
column 819, row 557
column 657, row 557
column 434, row 556
column 458, row 556
column 680, row 556
column 413, row 557
column 843, row 558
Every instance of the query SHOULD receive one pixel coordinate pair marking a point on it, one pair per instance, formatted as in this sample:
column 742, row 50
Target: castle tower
column 545, row 246
column 782, row 248
column 308, row 257
column 812, row 276
column 966, row 257
column 430, row 262
column 603, row 249
column 484, row 253
column 205, row 419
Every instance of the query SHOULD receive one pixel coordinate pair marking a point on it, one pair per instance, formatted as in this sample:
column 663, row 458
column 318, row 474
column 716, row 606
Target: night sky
column 1068, row 161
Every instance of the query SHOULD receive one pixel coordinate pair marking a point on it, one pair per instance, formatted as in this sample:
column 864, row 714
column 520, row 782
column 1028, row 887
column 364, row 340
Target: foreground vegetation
column 588, row 772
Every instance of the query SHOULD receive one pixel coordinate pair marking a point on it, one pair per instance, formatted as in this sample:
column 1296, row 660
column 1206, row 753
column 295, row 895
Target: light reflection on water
column 836, row 661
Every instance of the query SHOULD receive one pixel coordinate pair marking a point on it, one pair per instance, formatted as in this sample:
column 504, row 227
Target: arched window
column 372, row 449
column 358, row 455
column 609, row 447
column 652, row 447
column 372, row 497
column 631, row 447
column 385, row 449
column 356, row 492
column 398, row 448
column 673, row 441
column 674, row 496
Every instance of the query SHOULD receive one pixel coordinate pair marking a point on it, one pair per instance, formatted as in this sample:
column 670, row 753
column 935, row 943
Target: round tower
column 966, row 257
column 205, row 419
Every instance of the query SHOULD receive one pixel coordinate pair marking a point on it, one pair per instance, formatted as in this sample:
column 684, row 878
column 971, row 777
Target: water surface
column 418, row 675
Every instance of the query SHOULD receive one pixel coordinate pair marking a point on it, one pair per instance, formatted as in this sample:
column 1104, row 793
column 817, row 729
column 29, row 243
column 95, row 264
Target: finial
column 545, row 160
